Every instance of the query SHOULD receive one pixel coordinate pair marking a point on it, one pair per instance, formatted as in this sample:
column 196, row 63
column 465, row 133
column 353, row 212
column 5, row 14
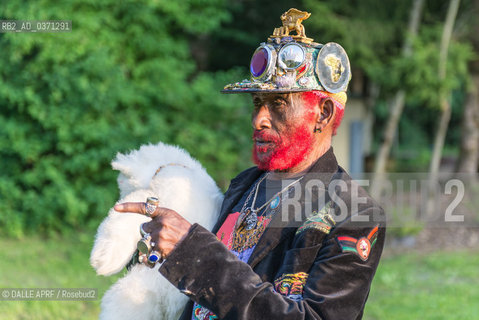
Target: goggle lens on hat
column 259, row 61
column 263, row 63
column 291, row 56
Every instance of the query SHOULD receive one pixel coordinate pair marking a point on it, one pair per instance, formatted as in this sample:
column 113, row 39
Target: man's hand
column 167, row 228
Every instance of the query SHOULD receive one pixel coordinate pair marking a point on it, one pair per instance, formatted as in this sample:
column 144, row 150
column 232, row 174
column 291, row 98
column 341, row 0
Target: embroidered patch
column 362, row 246
column 321, row 220
column 291, row 285
column 201, row 313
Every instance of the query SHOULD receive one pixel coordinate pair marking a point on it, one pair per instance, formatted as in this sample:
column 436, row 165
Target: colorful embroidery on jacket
column 362, row 246
column 202, row 313
column 291, row 285
column 240, row 242
column 244, row 239
column 321, row 220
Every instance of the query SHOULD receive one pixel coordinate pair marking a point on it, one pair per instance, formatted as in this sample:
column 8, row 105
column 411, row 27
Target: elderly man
column 296, row 238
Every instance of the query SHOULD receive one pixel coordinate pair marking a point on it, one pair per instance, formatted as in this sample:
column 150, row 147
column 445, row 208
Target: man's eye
column 278, row 104
column 257, row 104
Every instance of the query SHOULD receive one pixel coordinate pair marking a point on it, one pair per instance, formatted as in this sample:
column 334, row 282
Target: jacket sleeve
column 336, row 286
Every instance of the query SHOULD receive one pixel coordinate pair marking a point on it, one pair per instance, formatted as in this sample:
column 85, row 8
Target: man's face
column 283, row 130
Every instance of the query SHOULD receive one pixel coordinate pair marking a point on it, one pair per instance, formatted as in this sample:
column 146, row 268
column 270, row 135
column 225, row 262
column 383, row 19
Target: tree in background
column 397, row 104
column 445, row 106
column 123, row 77
column 374, row 36
column 469, row 154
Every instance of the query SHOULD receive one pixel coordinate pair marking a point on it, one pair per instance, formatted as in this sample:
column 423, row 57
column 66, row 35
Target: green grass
column 53, row 263
column 441, row 285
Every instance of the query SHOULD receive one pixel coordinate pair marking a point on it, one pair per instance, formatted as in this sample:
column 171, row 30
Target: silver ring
column 154, row 257
column 142, row 231
column 144, row 245
column 150, row 205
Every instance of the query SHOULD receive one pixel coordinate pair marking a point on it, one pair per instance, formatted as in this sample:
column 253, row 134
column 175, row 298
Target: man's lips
column 263, row 139
column 263, row 143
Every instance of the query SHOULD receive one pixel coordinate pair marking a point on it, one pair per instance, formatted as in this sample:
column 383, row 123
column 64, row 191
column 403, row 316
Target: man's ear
column 326, row 113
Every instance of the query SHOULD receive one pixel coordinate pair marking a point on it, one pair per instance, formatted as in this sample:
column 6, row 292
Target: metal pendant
column 241, row 218
column 251, row 220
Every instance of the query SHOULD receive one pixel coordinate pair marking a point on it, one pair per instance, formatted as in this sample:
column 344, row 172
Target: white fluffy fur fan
column 181, row 184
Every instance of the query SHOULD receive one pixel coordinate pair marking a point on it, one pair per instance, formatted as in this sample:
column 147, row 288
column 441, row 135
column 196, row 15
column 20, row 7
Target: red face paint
column 286, row 143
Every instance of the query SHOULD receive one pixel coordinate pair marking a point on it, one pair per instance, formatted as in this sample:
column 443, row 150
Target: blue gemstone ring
column 154, row 257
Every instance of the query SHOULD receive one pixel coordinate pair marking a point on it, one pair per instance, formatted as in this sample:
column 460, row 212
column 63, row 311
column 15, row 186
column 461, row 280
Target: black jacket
column 312, row 267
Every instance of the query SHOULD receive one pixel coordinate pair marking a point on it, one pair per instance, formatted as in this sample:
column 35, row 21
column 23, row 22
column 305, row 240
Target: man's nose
column 261, row 119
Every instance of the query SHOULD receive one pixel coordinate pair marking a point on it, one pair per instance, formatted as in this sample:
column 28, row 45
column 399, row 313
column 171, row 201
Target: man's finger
column 135, row 207
column 138, row 207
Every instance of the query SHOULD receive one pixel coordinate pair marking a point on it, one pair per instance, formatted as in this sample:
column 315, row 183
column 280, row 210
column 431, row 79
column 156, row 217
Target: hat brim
column 257, row 90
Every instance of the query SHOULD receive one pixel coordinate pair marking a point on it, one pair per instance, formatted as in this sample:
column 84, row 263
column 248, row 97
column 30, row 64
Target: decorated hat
column 295, row 63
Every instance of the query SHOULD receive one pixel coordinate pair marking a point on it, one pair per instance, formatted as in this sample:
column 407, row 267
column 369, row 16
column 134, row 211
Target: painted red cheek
column 287, row 152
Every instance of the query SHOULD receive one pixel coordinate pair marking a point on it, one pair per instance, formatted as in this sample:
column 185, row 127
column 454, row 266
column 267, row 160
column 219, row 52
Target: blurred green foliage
column 123, row 77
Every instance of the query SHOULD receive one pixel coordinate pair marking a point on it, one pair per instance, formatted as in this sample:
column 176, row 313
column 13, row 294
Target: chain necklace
column 249, row 215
